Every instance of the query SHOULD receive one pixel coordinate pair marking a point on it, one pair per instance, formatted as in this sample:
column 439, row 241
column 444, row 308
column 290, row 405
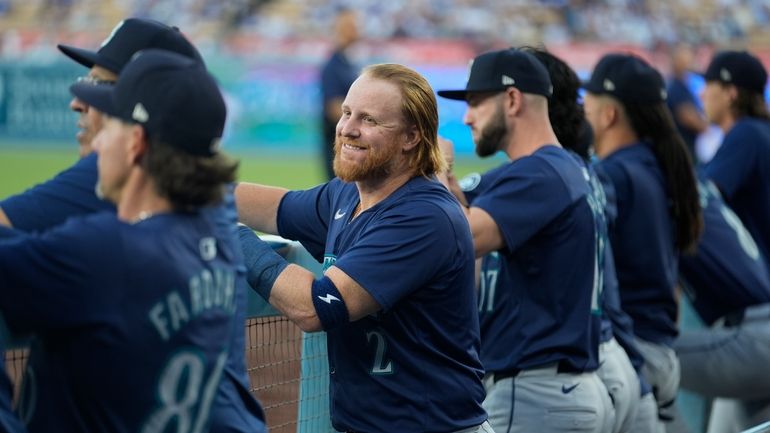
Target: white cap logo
column 663, row 94
column 725, row 75
column 112, row 34
column 140, row 113
column 215, row 144
column 470, row 68
column 508, row 81
column 608, row 85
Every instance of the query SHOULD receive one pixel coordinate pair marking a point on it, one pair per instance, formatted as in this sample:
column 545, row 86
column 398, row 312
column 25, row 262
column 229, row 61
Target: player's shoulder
column 427, row 200
column 552, row 170
column 748, row 132
column 96, row 222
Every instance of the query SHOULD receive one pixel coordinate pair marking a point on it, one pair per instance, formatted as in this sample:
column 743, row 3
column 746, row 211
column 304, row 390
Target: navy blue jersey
column 132, row 321
column 727, row 273
column 538, row 293
column 642, row 238
column 622, row 325
column 72, row 193
column 413, row 366
column 741, row 170
column 679, row 94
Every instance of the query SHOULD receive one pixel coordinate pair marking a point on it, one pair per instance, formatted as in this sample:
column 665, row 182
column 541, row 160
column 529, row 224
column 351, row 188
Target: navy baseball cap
column 739, row 68
column 498, row 70
column 128, row 37
column 172, row 96
column 627, row 78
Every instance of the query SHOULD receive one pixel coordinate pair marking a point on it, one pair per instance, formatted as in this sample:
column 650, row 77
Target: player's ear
column 513, row 100
column 138, row 145
column 413, row 137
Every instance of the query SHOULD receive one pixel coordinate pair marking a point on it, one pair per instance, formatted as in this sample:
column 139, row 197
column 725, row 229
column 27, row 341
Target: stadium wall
column 271, row 87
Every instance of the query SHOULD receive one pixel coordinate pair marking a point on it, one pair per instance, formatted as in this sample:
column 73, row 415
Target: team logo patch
column 470, row 182
column 329, row 261
column 208, row 248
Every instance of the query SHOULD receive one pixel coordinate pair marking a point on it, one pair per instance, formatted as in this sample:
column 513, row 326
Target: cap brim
column 98, row 96
column 592, row 87
column 84, row 57
column 458, row 95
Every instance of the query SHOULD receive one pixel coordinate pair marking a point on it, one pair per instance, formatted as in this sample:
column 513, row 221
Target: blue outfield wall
column 273, row 106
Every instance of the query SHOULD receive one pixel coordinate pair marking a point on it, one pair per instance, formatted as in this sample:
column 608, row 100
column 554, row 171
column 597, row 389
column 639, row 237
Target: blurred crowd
column 644, row 22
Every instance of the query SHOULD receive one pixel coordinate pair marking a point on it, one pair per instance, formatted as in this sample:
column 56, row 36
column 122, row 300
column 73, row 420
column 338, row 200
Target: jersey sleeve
column 70, row 193
column 515, row 201
column 47, row 280
column 304, row 216
column 729, row 169
column 401, row 252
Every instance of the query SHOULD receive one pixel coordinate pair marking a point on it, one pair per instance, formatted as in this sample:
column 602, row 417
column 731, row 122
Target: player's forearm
column 291, row 295
column 258, row 206
column 4, row 221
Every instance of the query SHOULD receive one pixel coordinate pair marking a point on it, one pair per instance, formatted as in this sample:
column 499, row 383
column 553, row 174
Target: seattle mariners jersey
column 727, row 273
column 536, row 296
column 741, row 170
column 622, row 325
column 642, row 238
column 133, row 321
column 71, row 193
column 413, row 366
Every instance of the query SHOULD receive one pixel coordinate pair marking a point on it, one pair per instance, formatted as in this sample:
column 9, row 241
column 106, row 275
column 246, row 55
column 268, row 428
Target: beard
column 492, row 135
column 377, row 164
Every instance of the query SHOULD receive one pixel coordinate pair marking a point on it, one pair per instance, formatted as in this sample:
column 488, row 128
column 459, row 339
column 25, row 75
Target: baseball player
column 734, row 100
column 616, row 368
column 72, row 193
column 538, row 232
column 729, row 285
column 397, row 298
column 658, row 213
column 151, row 286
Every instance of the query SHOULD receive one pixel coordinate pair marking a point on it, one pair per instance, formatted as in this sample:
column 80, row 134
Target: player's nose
column 347, row 128
column 78, row 106
column 468, row 117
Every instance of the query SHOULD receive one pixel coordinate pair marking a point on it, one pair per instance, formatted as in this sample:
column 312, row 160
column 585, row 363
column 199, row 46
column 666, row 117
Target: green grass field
column 22, row 167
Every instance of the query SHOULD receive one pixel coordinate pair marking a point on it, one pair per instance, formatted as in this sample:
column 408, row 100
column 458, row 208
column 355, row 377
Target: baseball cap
column 172, row 96
column 498, row 70
column 128, row 37
column 739, row 68
column 627, row 78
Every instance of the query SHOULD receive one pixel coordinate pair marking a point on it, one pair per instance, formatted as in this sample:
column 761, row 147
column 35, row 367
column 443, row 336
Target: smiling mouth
column 353, row 147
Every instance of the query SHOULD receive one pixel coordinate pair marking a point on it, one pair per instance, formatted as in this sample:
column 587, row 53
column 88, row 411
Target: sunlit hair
column 750, row 104
column 655, row 124
column 189, row 182
column 418, row 108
